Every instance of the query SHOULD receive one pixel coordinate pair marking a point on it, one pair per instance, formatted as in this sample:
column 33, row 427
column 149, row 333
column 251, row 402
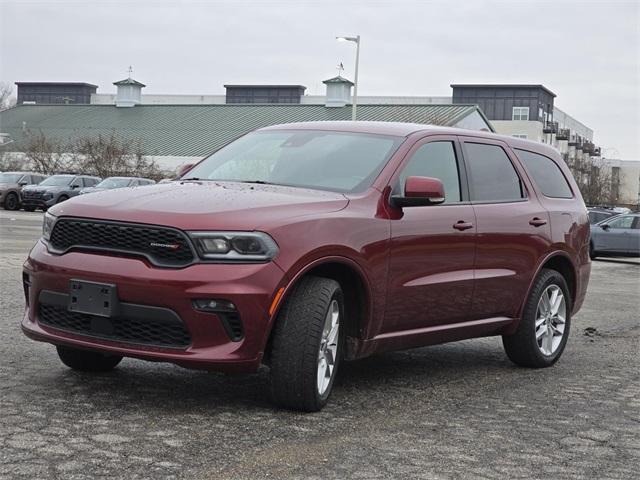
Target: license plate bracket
column 93, row 298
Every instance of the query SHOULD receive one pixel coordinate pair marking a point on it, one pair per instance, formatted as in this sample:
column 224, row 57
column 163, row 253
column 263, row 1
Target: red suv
column 298, row 246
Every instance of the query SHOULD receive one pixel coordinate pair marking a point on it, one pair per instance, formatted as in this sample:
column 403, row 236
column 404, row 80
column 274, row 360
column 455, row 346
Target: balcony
column 588, row 147
column 550, row 127
column 563, row 134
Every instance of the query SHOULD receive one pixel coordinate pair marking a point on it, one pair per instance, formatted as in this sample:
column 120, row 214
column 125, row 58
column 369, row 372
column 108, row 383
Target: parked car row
column 617, row 235
column 31, row 191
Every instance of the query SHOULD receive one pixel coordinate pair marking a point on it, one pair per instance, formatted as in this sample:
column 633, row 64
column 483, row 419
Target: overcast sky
column 587, row 52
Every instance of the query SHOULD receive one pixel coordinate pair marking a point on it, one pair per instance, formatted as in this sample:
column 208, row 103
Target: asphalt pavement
column 460, row 410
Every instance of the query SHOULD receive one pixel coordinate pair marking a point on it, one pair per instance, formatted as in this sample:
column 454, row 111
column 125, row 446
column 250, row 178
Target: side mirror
column 420, row 191
column 184, row 169
column 22, row 184
column 75, row 186
column 605, row 227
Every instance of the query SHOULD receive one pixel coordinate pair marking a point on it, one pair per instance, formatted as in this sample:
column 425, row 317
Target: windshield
column 57, row 181
column 344, row 162
column 114, row 182
column 10, row 177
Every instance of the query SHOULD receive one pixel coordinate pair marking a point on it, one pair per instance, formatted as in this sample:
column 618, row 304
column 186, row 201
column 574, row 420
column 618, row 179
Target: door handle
column 462, row 225
column 537, row 222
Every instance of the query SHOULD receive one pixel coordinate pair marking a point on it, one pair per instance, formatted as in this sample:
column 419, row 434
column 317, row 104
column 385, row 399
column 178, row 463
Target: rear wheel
column 11, row 202
column 544, row 327
column 307, row 345
column 87, row 361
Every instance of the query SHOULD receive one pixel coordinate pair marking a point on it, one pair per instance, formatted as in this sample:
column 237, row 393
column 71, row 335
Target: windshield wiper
column 259, row 182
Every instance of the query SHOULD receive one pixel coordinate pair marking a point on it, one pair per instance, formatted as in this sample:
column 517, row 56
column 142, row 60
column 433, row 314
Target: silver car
column 616, row 236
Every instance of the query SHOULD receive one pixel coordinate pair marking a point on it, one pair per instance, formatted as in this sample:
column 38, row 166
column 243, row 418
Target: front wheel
column 62, row 198
column 11, row 202
column 87, row 361
column 544, row 327
column 307, row 345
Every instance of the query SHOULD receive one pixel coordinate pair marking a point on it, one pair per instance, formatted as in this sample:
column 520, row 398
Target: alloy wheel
column 328, row 347
column 551, row 317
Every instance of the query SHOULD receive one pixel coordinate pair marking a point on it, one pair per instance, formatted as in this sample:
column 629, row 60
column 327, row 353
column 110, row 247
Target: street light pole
column 355, row 40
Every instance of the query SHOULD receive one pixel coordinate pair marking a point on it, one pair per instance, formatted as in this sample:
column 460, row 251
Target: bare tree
column 10, row 161
column 594, row 177
column 48, row 155
column 111, row 155
column 7, row 100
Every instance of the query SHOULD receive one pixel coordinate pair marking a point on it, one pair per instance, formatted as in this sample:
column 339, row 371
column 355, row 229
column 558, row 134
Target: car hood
column 47, row 188
column 196, row 205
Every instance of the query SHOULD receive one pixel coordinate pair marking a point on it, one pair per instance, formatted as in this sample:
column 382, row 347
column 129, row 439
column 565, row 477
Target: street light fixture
column 355, row 40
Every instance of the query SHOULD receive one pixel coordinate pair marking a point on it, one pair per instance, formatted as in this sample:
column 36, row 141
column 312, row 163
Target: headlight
column 47, row 195
column 47, row 225
column 235, row 246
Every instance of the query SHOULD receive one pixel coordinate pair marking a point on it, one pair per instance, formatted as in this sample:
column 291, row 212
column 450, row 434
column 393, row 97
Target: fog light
column 213, row 305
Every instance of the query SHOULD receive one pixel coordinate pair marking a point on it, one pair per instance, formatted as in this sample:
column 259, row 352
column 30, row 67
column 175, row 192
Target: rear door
column 512, row 228
column 430, row 278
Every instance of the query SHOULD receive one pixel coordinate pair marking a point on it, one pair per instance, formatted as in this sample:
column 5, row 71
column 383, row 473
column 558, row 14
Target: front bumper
column 250, row 287
column 38, row 202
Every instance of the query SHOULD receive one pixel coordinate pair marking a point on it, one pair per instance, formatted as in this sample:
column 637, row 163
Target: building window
column 520, row 113
column 520, row 135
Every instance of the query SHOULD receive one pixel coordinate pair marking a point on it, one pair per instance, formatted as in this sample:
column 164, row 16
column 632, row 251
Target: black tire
column 592, row 253
column 522, row 347
column 296, row 344
column 86, row 361
column 29, row 209
column 11, row 201
column 61, row 199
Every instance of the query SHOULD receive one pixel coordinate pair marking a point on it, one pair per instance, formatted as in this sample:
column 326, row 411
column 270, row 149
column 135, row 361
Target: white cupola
column 338, row 91
column 129, row 92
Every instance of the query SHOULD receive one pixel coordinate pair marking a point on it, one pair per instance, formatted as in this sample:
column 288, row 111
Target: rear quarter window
column 546, row 174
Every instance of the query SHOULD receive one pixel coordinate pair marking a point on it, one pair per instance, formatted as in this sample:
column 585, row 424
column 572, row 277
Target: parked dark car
column 598, row 214
column 11, row 185
column 55, row 189
column 117, row 182
column 616, row 236
column 299, row 246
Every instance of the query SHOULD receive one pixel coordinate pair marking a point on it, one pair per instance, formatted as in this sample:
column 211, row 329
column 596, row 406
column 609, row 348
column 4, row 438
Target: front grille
column 162, row 246
column 138, row 331
column 32, row 194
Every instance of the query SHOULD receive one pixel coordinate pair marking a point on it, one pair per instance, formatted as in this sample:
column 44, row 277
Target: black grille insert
column 163, row 246
column 129, row 330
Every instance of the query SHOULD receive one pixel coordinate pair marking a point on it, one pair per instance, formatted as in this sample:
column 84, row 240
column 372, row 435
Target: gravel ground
column 460, row 410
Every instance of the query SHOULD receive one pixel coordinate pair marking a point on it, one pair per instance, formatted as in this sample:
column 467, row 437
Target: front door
column 431, row 257
column 615, row 236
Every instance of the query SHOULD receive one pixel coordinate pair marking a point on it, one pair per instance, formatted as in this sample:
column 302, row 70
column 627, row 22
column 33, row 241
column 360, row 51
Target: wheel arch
column 355, row 287
column 561, row 263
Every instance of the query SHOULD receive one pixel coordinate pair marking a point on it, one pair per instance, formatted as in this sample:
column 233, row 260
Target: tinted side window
column 621, row 222
column 492, row 177
column 436, row 160
column 546, row 174
column 76, row 182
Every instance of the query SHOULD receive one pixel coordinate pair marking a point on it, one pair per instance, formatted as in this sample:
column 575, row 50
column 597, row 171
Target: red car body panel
column 424, row 281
